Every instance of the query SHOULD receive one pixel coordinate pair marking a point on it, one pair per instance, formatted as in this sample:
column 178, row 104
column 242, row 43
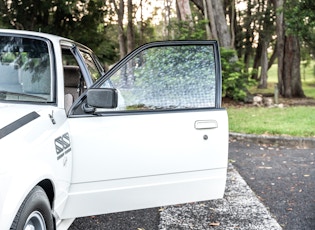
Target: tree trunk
column 212, row 22
column 265, row 35
column 292, row 75
column 248, row 52
column 257, row 61
column 280, row 42
column 206, row 7
column 184, row 10
column 141, row 32
column 264, row 64
column 232, row 22
column 206, row 15
column 121, row 35
column 223, row 31
column 130, row 29
column 289, row 74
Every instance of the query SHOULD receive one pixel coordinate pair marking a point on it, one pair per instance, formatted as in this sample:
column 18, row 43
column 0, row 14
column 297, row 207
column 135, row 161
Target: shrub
column 235, row 80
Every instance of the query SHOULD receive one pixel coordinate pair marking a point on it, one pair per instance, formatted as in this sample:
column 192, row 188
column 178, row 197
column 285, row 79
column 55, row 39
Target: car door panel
column 148, row 144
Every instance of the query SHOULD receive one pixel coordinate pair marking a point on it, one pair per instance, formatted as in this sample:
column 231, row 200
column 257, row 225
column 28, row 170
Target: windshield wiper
column 4, row 93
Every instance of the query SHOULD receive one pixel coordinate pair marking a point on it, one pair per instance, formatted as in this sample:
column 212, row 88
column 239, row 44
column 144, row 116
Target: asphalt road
column 281, row 178
column 145, row 219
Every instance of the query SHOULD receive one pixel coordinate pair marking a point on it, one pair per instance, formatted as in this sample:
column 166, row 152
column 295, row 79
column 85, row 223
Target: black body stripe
column 18, row 124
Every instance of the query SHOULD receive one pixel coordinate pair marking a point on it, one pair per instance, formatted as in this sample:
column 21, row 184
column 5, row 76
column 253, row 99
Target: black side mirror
column 102, row 98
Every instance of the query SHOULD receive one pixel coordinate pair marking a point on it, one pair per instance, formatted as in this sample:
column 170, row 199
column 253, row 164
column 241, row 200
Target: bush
column 235, row 80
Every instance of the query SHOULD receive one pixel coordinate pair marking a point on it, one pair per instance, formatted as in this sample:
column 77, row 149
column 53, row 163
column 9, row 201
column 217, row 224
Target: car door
column 164, row 142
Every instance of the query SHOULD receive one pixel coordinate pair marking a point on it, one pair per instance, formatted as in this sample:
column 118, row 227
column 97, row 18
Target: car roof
column 51, row 37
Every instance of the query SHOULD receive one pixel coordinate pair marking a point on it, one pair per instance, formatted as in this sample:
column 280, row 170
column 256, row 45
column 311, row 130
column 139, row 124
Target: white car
column 76, row 141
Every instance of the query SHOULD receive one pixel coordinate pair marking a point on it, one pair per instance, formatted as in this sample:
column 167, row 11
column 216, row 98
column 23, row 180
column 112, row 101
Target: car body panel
column 32, row 159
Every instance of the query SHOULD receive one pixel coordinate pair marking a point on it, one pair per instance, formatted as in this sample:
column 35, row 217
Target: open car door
column 151, row 132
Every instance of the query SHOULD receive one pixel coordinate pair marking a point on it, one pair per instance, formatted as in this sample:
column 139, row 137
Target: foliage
column 273, row 121
column 300, row 20
column 83, row 21
column 193, row 28
column 183, row 30
column 235, row 80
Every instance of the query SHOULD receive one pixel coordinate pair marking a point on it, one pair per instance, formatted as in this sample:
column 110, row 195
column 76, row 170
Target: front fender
column 28, row 156
column 16, row 185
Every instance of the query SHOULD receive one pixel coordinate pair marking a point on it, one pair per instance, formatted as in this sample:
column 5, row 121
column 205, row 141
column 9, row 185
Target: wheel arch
column 17, row 188
column 48, row 187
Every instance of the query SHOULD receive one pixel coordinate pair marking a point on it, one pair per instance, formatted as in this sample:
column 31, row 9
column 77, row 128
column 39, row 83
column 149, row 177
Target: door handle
column 206, row 124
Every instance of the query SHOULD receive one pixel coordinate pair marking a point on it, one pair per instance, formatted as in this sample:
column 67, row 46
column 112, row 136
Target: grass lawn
column 289, row 121
column 292, row 121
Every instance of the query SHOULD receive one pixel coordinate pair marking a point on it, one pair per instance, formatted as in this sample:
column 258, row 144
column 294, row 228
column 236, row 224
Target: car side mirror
column 102, row 98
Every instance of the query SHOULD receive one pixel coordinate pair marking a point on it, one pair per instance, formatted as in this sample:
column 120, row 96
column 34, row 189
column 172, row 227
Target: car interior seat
column 72, row 84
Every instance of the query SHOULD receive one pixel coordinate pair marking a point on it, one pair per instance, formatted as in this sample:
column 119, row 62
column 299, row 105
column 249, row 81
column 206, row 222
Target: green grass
column 309, row 88
column 291, row 121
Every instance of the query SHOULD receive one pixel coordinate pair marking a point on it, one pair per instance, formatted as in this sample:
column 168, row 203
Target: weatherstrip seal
column 10, row 128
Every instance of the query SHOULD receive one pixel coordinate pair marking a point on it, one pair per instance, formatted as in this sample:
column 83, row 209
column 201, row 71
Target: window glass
column 74, row 83
column 25, row 70
column 94, row 72
column 171, row 77
column 67, row 58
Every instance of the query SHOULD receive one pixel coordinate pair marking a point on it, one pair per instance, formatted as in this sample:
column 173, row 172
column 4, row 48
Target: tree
column 223, row 31
column 289, row 75
column 97, row 33
column 120, row 10
column 206, row 16
column 301, row 21
column 184, row 10
column 244, row 40
column 206, row 7
column 130, row 28
column 217, row 17
column 267, row 27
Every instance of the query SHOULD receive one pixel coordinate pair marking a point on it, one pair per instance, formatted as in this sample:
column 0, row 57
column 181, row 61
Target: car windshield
column 25, row 73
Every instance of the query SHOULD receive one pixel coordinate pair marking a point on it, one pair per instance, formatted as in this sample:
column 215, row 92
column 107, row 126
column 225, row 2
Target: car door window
column 167, row 78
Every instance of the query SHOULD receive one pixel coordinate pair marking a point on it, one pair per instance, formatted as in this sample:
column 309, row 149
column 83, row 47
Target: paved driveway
column 283, row 179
